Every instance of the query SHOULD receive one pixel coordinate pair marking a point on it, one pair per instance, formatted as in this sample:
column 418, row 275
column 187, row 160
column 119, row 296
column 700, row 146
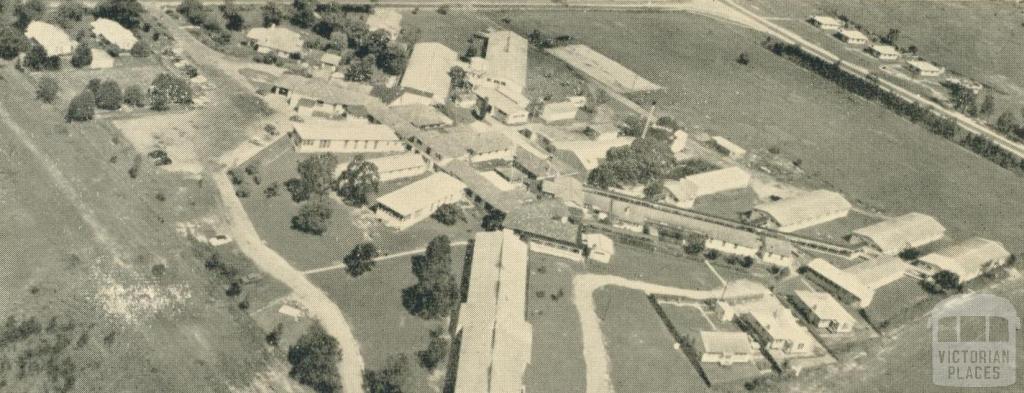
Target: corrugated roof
column 804, row 207
column 54, row 40
column 853, row 34
column 565, row 188
column 878, row 272
column 843, row 279
column 507, row 57
column 725, row 342
column 719, row 180
column 276, row 38
column 897, row 234
column 398, row 162
column 544, row 218
column 332, row 92
column 422, row 194
column 825, row 306
column 460, row 143
column 967, row 258
column 428, row 68
column 683, row 190
column 350, row 130
column 590, row 153
column 422, row 115
column 114, row 33
column 504, row 201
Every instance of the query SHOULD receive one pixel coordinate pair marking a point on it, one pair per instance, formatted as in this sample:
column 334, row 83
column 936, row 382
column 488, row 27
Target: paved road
column 594, row 352
column 382, row 258
column 311, row 297
column 966, row 122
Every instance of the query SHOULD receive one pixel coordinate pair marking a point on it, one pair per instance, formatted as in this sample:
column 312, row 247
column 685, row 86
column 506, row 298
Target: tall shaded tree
column 360, row 179
column 126, row 12
column 303, row 13
column 12, row 42
column 171, row 89
column 82, row 107
column 316, row 172
column 234, row 20
column 436, row 292
column 395, row 377
column 314, row 359
column 109, row 95
column 313, row 218
column 28, row 11
column 361, row 259
column 47, row 89
column 274, row 13
column 82, row 56
column 36, row 59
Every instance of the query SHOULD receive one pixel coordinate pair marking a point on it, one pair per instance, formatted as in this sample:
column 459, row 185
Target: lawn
column 640, row 347
column 642, row 265
column 899, row 302
column 348, row 226
column 372, row 304
column 557, row 363
column 844, row 142
column 688, row 321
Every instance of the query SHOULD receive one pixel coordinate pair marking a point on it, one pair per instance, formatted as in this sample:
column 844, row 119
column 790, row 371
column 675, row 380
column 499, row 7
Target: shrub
column 82, row 107
column 313, row 218
column 135, row 95
column 448, row 214
column 109, row 96
column 47, row 89
column 82, row 57
column 140, row 49
column 314, row 359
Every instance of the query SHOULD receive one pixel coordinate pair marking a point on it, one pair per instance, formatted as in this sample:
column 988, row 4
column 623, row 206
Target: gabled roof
column 332, row 92
column 924, row 66
column 476, row 182
column 114, row 33
column 422, row 115
column 826, row 20
column 398, row 162
column 845, row 280
column 878, row 272
column 590, row 153
column 719, row 180
column 885, row 49
column 427, row 71
column 54, row 40
column 725, row 342
column 386, row 19
column 565, row 188
column 682, row 190
column 544, row 218
column 804, row 207
column 504, row 99
column 276, row 38
column 506, row 56
column 853, row 34
column 969, row 257
column 898, row 233
column 541, row 167
column 422, row 194
column 351, row 130
column 553, row 108
column 825, row 306
column 460, row 143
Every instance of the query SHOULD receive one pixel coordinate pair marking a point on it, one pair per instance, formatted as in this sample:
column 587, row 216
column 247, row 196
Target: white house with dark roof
column 969, row 258
column 346, row 136
column 800, row 211
column 892, row 236
column 114, row 34
column 52, row 38
column 411, row 204
column 824, row 311
column 426, row 79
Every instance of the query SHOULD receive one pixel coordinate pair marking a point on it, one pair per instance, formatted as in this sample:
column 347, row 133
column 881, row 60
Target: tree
column 140, row 49
column 12, row 42
column 743, row 59
column 28, row 11
column 910, row 254
column 37, row 59
column 135, row 95
column 82, row 57
column 233, row 16
column 172, row 89
column 317, row 173
column 943, row 282
column 361, row 259
column 126, row 12
column 159, row 102
column 274, row 337
column 436, row 292
column 82, row 107
column 314, row 359
column 393, row 378
column 655, row 191
column 304, row 13
column 1007, row 123
column 109, row 96
column 988, row 105
column 358, row 181
column 645, row 160
column 393, row 60
column 313, row 218
column 459, row 82
column 94, row 85
column 70, row 11
column 47, row 89
column 274, row 13
column 360, row 69
column 493, row 220
column 192, row 10
column 963, row 99
column 891, row 37
column 436, row 350
column 448, row 214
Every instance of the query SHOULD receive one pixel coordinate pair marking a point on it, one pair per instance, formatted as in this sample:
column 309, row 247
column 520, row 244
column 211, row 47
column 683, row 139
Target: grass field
column 557, row 362
column 373, row 305
column 638, row 264
column 639, row 345
column 856, row 147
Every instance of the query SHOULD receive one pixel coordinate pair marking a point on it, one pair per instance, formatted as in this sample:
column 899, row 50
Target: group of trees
column 645, row 161
column 448, row 214
column 314, row 359
column 1008, row 124
column 316, row 179
column 869, row 89
column 227, row 16
column 436, row 290
column 942, row 282
column 394, row 377
column 965, row 99
column 108, row 95
column 541, row 40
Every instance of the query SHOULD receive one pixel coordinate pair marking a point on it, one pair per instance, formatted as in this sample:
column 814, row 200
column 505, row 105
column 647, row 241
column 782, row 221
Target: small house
column 852, row 37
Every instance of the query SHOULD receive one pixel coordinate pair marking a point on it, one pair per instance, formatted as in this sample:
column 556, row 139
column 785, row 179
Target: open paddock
column 603, row 69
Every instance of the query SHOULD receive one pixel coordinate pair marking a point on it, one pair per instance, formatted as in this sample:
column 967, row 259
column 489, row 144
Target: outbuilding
column 822, row 310
column 852, row 37
column 924, row 68
column 884, row 52
column 826, row 22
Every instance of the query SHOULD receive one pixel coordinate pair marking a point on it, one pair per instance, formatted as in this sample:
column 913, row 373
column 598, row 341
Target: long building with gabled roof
column 801, row 211
column 894, row 235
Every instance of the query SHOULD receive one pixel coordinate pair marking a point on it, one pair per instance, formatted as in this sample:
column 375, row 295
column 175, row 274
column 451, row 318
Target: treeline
column 869, row 89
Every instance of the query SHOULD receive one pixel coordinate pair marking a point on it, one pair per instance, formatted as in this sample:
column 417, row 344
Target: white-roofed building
column 506, row 105
column 496, row 340
column 101, row 60
column 777, row 329
column 681, row 192
column 968, row 259
column 844, row 285
column 924, row 68
column 398, row 166
column 386, row 19
column 559, row 111
column 411, row 204
column 726, row 348
column 852, row 37
column 53, row 40
column 277, row 40
column 507, row 58
column 822, row 310
column 600, row 247
column 679, row 138
column 346, row 136
column 426, row 79
column 423, row 116
column 587, row 155
column 826, row 22
column 892, row 236
column 113, row 33
column 884, row 52
column 879, row 272
column 719, row 180
column 801, row 211
column 727, row 147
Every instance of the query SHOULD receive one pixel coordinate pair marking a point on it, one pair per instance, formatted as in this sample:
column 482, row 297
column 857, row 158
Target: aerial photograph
column 511, row 196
